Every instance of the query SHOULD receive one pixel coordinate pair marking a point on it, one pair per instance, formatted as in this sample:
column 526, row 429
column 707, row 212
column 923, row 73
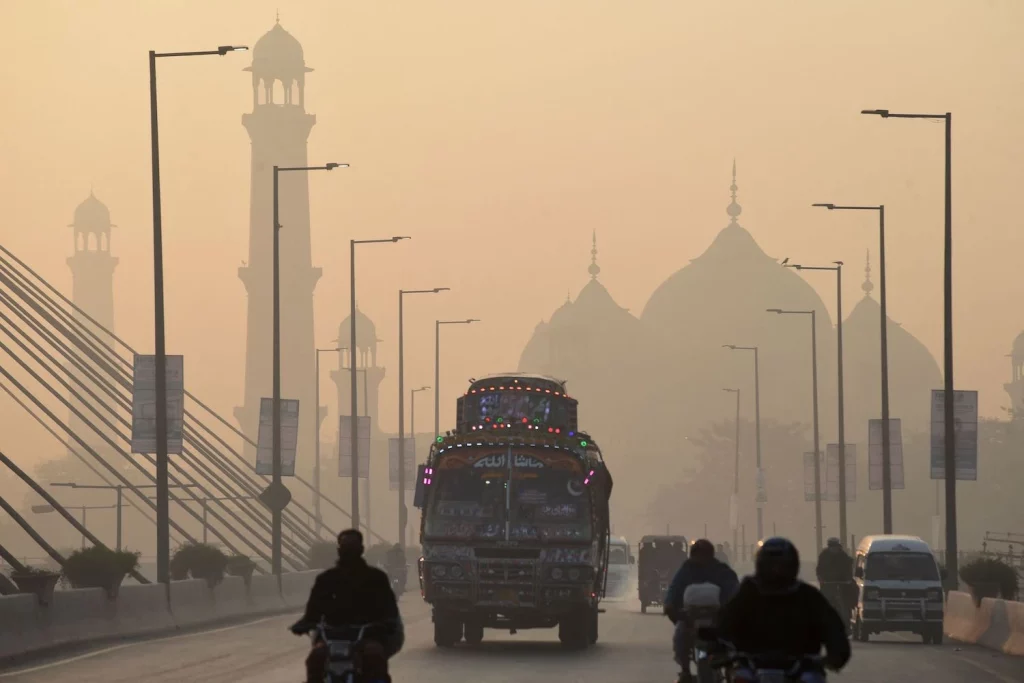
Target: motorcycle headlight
column 556, row 573
column 438, row 571
column 871, row 594
column 456, row 572
column 574, row 574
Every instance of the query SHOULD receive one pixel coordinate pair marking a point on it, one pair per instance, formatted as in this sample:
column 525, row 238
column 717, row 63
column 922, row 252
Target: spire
column 734, row 209
column 594, row 269
column 868, row 286
column 277, row 16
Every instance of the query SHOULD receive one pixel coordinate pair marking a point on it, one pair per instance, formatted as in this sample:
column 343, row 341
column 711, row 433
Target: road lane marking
column 114, row 648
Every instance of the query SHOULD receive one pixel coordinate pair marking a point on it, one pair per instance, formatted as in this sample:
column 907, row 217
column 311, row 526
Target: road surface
column 633, row 648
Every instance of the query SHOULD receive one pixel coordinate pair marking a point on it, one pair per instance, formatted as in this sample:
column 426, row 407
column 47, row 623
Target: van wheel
column 447, row 631
column 933, row 636
column 643, row 607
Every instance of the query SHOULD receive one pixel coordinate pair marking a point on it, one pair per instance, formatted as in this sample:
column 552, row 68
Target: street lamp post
column 884, row 337
column 814, row 393
column 838, row 268
column 947, row 314
column 352, row 352
column 316, row 461
column 757, row 432
column 277, row 509
column 412, row 409
column 403, row 512
column 437, row 367
column 734, row 505
column 44, row 509
column 163, row 520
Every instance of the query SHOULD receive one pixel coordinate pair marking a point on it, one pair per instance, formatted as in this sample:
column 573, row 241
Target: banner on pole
column 762, row 493
column 345, row 445
column 144, row 404
column 832, row 472
column 965, row 423
column 289, row 437
column 410, row 464
column 809, row 475
column 875, row 454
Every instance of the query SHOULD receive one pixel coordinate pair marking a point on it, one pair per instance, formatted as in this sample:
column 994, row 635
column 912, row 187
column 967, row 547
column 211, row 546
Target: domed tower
column 92, row 265
column 92, row 271
column 368, row 375
column 1015, row 387
column 278, row 128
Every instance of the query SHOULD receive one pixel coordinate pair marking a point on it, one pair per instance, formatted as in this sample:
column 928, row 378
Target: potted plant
column 41, row 582
column 99, row 567
column 200, row 561
column 240, row 565
column 990, row 577
column 322, row 555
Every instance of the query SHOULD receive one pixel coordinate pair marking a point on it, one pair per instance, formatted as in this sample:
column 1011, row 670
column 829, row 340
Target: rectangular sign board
column 809, row 475
column 289, row 437
column 345, row 445
column 965, row 423
column 875, row 454
column 832, row 472
column 144, row 404
column 410, row 464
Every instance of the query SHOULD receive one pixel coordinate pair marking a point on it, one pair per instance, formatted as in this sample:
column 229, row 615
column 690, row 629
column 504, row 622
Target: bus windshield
column 467, row 503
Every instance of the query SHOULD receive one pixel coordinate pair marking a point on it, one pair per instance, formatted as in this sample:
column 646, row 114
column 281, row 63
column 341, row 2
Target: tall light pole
column 814, row 392
column 884, row 338
column 403, row 513
column 734, row 512
column 163, row 519
column 437, row 367
column 838, row 268
column 280, row 499
column 316, row 428
column 412, row 409
column 352, row 353
column 757, row 432
column 947, row 316
column 45, row 509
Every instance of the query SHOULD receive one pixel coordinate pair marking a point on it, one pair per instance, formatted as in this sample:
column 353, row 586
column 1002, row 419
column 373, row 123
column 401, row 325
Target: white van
column 620, row 564
column 900, row 587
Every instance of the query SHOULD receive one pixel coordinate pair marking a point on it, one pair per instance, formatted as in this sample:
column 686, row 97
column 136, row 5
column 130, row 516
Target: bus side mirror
column 859, row 572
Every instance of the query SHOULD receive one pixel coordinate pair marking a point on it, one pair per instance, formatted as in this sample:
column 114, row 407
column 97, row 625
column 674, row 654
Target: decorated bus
column 515, row 518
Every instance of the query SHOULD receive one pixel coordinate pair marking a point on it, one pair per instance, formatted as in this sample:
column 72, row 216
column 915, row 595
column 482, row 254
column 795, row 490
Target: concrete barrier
column 265, row 594
column 192, row 602
column 295, row 588
column 20, row 628
column 80, row 613
column 995, row 624
column 230, row 597
column 143, row 609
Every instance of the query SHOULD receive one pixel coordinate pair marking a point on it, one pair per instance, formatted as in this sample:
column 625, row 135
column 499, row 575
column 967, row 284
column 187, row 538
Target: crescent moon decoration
column 574, row 488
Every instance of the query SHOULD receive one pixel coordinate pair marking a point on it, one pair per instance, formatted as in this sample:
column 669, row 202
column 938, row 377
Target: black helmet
column 777, row 564
column 702, row 549
column 835, row 543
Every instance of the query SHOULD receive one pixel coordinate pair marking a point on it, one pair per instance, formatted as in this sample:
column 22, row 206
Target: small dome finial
column 734, row 209
column 277, row 16
column 868, row 286
column 594, row 269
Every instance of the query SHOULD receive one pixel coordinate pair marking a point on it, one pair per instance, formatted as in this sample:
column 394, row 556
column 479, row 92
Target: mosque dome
column 278, row 55
column 913, row 371
column 92, row 215
column 366, row 332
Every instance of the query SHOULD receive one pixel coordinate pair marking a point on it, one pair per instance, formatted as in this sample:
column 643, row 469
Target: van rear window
column 901, row 567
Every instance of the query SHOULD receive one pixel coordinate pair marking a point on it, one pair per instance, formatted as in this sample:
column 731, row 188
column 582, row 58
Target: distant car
column 620, row 565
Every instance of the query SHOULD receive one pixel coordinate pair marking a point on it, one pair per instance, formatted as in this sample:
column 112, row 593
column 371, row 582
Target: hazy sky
column 499, row 135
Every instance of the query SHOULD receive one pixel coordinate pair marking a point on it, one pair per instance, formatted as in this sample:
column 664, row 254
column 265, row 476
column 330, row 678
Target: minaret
column 278, row 128
column 92, row 272
column 368, row 375
column 594, row 269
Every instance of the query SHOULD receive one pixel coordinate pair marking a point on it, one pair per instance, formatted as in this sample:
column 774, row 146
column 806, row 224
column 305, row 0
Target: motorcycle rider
column 835, row 574
column 775, row 612
column 396, row 565
column 701, row 567
column 353, row 593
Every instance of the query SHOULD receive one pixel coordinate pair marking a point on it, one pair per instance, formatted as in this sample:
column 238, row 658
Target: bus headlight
column 574, row 574
column 438, row 571
column 456, row 572
column 556, row 573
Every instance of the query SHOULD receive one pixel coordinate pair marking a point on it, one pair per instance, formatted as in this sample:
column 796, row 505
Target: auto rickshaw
column 658, row 559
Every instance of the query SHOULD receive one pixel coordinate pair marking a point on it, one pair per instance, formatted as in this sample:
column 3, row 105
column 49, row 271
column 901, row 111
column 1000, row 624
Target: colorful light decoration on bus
column 428, row 474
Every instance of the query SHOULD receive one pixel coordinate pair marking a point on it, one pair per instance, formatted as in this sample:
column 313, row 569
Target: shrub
column 36, row 571
column 322, row 555
column 200, row 561
column 990, row 577
column 99, row 567
column 240, row 565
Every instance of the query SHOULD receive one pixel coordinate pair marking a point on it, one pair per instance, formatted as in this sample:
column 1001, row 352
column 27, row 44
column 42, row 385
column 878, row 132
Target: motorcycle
column 697, row 619
column 766, row 667
column 344, row 647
